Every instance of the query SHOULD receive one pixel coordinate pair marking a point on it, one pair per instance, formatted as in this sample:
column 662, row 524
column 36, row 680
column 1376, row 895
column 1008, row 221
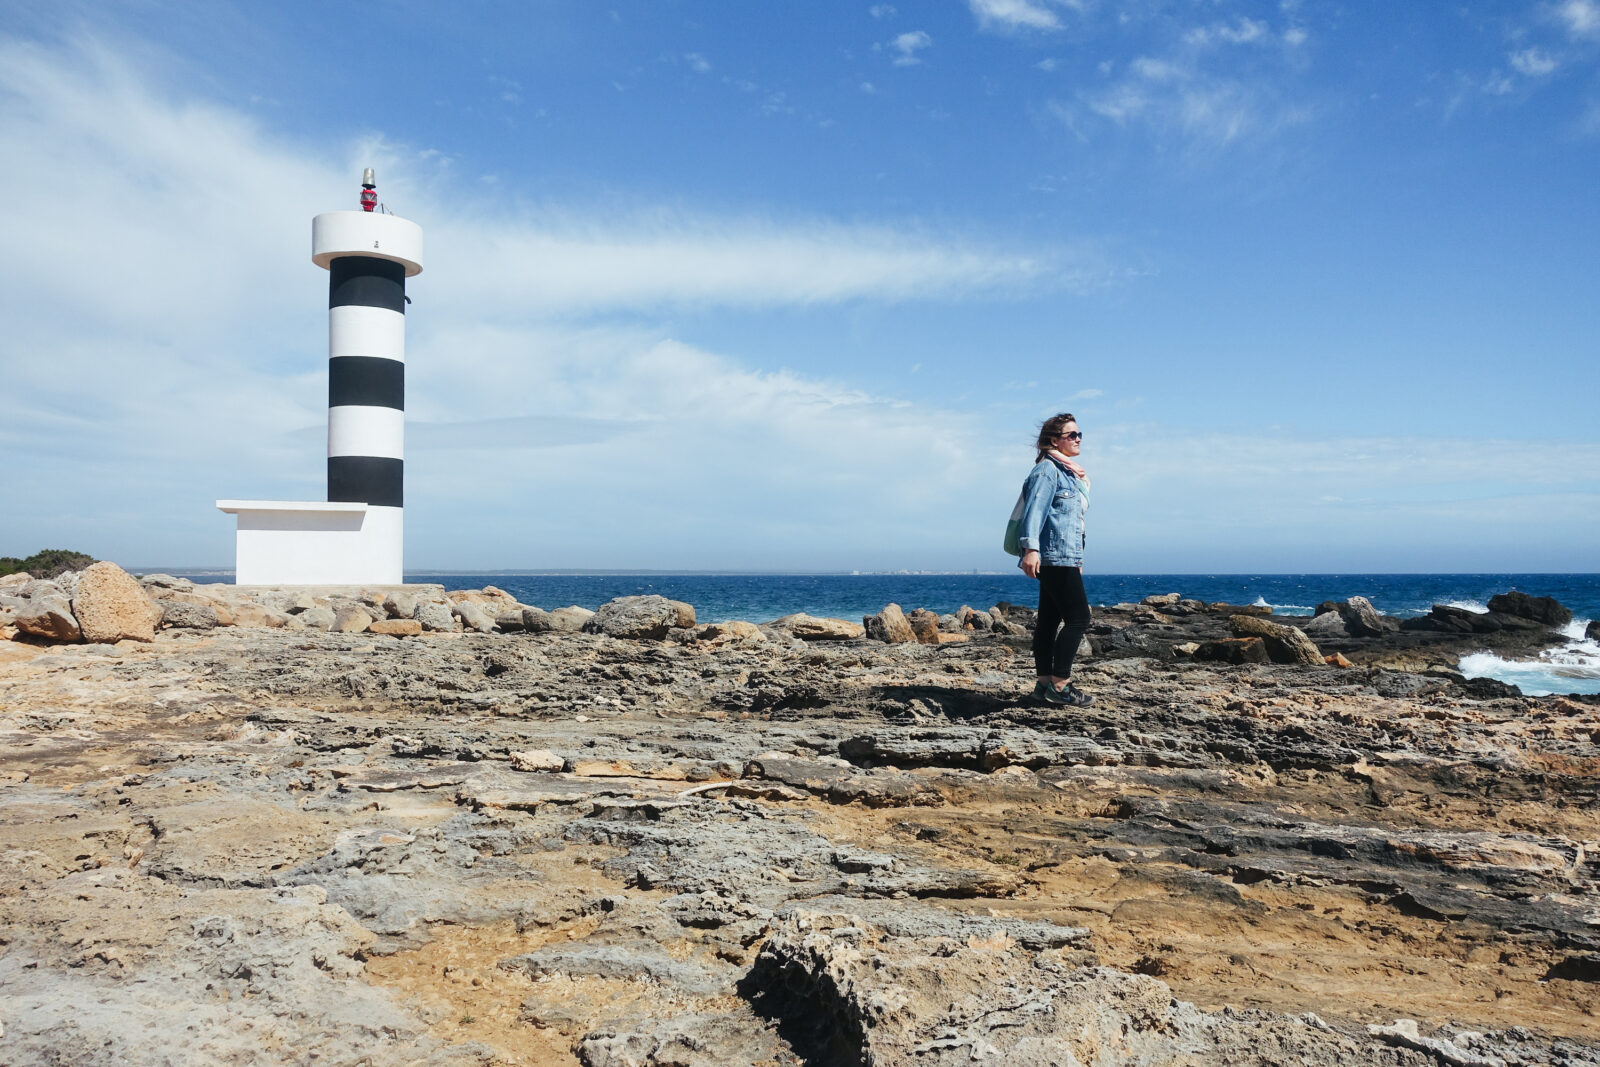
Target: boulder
column 151, row 583
column 1337, row 660
column 636, row 617
column 474, row 616
column 436, row 616
column 537, row 621
column 732, row 632
column 110, row 606
column 1538, row 608
column 294, row 603
column 889, row 626
column 1592, row 631
column 974, row 620
column 396, row 627
column 249, row 613
column 49, row 617
column 401, row 605
column 1361, row 618
column 1233, row 650
column 686, row 616
column 510, row 622
column 570, row 617
column 15, row 581
column 318, row 618
column 815, row 628
column 925, row 624
column 1162, row 600
column 351, row 619
column 1285, row 644
column 1327, row 624
column 180, row 616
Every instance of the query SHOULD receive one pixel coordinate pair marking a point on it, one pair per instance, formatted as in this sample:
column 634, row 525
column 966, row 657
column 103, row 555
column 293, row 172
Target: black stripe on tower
column 366, row 282
column 367, row 380
column 375, row 480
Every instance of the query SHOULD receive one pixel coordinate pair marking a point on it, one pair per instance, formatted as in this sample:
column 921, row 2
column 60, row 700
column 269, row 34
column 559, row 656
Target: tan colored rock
column 351, row 619
column 685, row 613
column 953, row 639
column 397, row 627
column 813, row 628
column 1337, row 660
column 49, row 617
column 538, row 760
column 732, row 632
column 249, row 613
column 889, row 626
column 15, row 581
column 1285, row 644
column 110, row 606
column 925, row 624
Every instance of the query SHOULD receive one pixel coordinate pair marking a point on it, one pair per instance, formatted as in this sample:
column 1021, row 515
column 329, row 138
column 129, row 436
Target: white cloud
column 697, row 62
column 1580, row 17
column 1087, row 394
column 1048, row 65
column 1294, row 37
column 169, row 347
column 1242, row 31
column 908, row 45
column 1014, row 15
column 882, row 11
column 1533, row 63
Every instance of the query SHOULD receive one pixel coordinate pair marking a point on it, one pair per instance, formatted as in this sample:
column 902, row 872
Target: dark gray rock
column 177, row 615
column 1537, row 608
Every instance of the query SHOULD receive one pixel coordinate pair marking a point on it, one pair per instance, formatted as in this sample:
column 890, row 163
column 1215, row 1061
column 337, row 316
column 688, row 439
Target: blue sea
column 1573, row 668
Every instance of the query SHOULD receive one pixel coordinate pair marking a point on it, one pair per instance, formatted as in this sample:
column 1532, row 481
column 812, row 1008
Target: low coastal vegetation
column 46, row 563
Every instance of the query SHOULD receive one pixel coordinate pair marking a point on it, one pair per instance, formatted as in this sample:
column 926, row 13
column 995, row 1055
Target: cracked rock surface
column 252, row 846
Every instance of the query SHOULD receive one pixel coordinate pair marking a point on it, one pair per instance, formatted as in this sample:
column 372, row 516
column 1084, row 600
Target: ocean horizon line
column 585, row 572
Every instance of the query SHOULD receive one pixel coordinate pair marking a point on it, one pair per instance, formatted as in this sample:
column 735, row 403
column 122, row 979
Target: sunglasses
column 1072, row 435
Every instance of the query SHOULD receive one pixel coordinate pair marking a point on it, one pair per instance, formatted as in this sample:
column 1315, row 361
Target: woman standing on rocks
column 1056, row 496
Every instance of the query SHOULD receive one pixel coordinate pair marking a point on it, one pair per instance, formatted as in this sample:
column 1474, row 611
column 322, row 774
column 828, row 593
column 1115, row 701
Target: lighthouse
column 357, row 536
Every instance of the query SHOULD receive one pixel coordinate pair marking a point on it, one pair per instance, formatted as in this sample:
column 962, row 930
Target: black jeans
column 1062, row 604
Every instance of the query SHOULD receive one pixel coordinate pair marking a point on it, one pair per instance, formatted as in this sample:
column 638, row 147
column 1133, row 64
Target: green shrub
column 46, row 564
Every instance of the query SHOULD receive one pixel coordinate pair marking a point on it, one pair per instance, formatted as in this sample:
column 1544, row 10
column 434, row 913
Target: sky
column 790, row 286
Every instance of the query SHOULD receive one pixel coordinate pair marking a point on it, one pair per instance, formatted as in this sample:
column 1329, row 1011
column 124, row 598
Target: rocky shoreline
column 412, row 825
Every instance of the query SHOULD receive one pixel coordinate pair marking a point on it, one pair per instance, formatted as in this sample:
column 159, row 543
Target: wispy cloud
column 1581, row 18
column 1533, row 63
column 907, row 45
column 697, row 62
column 882, row 11
column 1015, row 14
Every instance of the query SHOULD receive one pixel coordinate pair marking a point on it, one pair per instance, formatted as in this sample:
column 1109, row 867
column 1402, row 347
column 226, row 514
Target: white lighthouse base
column 297, row 542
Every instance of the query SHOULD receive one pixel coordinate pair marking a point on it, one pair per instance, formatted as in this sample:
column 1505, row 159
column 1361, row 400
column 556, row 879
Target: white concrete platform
column 309, row 542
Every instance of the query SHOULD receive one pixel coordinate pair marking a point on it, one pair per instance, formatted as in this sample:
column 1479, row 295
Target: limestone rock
column 1327, row 624
column 1538, row 608
column 318, row 618
column 15, row 581
column 571, row 617
column 974, row 620
column 402, row 605
column 537, row 760
column 815, row 628
column 925, row 625
column 435, row 616
column 49, row 617
column 889, row 626
column 686, row 616
column 350, row 619
column 181, row 616
column 474, row 616
column 1285, row 644
column 110, row 606
column 1360, row 617
column 733, row 632
column 637, row 617
column 1162, row 600
column 397, row 627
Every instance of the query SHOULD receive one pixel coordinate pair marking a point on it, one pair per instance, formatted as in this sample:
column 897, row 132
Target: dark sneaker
column 1069, row 697
column 1043, row 692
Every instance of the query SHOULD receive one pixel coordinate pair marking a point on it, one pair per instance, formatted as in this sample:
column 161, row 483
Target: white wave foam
column 1477, row 607
column 1573, row 668
column 1574, row 631
column 1282, row 609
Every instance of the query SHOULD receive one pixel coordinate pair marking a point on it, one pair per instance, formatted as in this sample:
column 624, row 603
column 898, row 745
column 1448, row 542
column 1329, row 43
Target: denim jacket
column 1053, row 514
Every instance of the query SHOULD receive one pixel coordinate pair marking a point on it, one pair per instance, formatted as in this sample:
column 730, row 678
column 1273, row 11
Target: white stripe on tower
column 368, row 256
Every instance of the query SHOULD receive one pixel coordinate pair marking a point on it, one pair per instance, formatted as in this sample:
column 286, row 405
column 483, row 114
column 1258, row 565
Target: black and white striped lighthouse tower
column 368, row 255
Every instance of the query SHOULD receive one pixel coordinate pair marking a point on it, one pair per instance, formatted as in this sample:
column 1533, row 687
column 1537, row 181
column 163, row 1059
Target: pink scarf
column 1071, row 464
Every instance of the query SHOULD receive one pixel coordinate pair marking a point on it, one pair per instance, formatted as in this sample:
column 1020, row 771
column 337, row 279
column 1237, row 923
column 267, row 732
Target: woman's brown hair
column 1050, row 431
